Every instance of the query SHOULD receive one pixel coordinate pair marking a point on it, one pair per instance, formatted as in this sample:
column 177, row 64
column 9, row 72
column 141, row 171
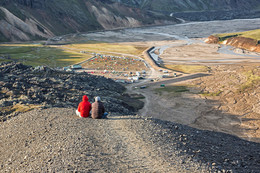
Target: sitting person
column 84, row 107
column 98, row 110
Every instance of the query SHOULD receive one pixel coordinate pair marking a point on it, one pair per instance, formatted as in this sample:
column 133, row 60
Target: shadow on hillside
column 220, row 151
column 179, row 79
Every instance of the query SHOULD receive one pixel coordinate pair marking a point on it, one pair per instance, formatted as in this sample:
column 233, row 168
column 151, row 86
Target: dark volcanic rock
column 51, row 88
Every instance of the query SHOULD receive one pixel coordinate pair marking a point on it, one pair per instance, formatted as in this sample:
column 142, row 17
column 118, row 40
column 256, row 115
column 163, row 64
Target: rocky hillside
column 200, row 9
column 239, row 42
column 244, row 43
column 22, row 20
column 56, row 140
column 23, row 88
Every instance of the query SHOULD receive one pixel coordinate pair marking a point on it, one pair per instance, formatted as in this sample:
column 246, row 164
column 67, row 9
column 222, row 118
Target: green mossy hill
column 253, row 34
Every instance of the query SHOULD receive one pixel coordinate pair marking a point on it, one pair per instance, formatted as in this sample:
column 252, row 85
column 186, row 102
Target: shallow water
column 185, row 32
column 182, row 31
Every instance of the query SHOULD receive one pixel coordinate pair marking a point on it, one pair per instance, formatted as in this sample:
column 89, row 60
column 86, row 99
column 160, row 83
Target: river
column 179, row 31
column 186, row 32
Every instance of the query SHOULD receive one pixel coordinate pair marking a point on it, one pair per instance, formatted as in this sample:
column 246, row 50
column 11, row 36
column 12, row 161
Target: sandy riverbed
column 226, row 108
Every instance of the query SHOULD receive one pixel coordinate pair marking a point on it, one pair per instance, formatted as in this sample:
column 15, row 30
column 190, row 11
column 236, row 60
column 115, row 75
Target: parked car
column 165, row 71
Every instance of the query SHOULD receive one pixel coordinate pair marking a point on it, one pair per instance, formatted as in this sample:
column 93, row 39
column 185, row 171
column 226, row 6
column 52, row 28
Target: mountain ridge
column 200, row 10
column 25, row 20
column 48, row 18
column 191, row 6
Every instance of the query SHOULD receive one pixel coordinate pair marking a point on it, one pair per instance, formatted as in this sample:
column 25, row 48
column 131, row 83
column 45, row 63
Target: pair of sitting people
column 96, row 110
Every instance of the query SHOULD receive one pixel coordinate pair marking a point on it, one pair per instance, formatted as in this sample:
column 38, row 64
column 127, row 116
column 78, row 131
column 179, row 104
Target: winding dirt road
column 195, row 110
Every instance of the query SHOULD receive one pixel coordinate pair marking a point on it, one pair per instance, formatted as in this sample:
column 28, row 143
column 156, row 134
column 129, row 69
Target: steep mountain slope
column 200, row 9
column 188, row 5
column 34, row 19
column 22, row 20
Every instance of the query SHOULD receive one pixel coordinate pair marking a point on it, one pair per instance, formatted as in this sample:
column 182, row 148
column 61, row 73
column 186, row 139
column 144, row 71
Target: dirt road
column 223, row 108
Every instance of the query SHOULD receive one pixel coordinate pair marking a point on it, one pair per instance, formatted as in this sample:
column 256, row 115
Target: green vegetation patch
column 211, row 94
column 253, row 80
column 188, row 68
column 20, row 108
column 36, row 55
column 254, row 34
column 108, row 48
column 175, row 90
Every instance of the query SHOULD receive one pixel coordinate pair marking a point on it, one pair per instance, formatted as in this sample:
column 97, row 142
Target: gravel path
column 55, row 140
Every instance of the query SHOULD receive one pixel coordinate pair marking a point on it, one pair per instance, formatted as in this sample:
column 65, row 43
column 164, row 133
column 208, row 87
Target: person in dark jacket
column 84, row 107
column 98, row 110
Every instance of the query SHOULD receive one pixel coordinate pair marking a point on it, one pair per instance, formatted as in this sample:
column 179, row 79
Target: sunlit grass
column 108, row 48
column 252, row 81
column 21, row 108
column 40, row 55
column 60, row 56
column 188, row 68
column 22, row 45
column 254, row 34
column 175, row 90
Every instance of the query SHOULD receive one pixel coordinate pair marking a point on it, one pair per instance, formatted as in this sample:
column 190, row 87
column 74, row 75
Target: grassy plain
column 39, row 55
column 60, row 56
column 108, row 48
column 188, row 68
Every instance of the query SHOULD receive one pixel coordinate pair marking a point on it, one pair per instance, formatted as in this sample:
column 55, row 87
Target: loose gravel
column 56, row 140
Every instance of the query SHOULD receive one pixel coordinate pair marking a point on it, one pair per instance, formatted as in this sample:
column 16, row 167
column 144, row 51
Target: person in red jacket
column 84, row 107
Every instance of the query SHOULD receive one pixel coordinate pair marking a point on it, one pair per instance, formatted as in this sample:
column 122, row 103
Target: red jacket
column 84, row 107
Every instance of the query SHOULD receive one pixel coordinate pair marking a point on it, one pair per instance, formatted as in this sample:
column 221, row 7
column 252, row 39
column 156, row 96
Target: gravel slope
column 55, row 140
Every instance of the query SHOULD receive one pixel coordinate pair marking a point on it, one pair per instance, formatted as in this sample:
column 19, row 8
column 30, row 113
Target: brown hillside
column 240, row 42
column 244, row 43
column 212, row 39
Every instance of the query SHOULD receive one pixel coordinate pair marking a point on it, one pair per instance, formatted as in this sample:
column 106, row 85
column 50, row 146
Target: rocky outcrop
column 23, row 86
column 212, row 40
column 236, row 41
column 244, row 43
